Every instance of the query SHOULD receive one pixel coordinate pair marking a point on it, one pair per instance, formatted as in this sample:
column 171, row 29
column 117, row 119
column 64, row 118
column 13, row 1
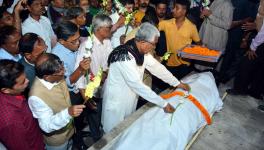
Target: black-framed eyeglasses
column 74, row 42
column 153, row 44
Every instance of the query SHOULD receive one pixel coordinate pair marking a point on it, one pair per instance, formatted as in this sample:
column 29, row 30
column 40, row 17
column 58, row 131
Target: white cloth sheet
column 152, row 131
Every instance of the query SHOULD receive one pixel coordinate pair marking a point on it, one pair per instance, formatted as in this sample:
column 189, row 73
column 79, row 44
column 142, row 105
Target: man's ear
column 28, row 7
column 46, row 77
column 28, row 56
column 6, row 90
column 61, row 41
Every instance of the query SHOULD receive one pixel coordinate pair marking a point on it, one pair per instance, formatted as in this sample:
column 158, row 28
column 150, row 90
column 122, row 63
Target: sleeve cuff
column 69, row 82
column 66, row 116
column 252, row 47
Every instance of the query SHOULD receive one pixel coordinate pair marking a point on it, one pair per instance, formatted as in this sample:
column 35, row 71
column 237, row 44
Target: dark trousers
column 250, row 77
column 179, row 72
column 92, row 117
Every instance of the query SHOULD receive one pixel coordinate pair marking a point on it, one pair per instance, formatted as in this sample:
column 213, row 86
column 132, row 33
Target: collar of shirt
column 16, row 100
column 47, row 84
column 33, row 20
column 28, row 62
column 64, row 49
column 184, row 23
column 6, row 55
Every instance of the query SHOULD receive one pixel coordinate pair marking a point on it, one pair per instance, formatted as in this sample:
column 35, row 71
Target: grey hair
column 101, row 20
column 147, row 32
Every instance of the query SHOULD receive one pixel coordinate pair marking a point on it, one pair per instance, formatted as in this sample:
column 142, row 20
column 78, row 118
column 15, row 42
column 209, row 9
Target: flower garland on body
column 191, row 98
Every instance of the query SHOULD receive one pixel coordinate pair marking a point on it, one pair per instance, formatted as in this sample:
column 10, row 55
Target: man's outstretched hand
column 184, row 86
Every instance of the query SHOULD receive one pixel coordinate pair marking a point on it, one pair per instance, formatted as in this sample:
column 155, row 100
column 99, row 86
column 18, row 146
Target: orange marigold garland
column 194, row 101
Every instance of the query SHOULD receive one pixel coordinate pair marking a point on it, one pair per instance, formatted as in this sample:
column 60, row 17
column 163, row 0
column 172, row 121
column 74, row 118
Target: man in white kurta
column 124, row 83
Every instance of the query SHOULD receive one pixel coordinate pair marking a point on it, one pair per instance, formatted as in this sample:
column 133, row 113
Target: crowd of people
column 51, row 49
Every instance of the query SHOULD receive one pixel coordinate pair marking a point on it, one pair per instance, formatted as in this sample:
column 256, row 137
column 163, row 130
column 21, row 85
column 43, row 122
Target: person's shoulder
column 189, row 23
column 45, row 19
column 168, row 21
column 56, row 49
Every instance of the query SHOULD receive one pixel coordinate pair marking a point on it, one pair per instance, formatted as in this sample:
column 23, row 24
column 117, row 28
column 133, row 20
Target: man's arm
column 157, row 69
column 48, row 121
column 132, row 78
column 258, row 40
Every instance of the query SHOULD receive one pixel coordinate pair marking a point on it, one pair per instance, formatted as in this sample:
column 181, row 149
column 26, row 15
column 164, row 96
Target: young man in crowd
column 18, row 128
column 179, row 32
column 56, row 11
column 39, row 24
column 31, row 46
column 9, row 38
column 161, row 10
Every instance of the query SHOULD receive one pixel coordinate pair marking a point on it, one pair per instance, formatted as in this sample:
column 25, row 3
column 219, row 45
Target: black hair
column 125, row 2
column 9, row 72
column 65, row 29
column 73, row 12
column 26, row 43
column 30, row 2
column 48, row 67
column 2, row 11
column 150, row 18
column 161, row 2
column 185, row 3
column 5, row 32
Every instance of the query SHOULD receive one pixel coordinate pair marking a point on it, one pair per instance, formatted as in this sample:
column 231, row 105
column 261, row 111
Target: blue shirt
column 69, row 59
column 5, row 55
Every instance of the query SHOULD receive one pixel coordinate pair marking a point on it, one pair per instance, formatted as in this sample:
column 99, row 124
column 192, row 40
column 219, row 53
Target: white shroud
column 153, row 131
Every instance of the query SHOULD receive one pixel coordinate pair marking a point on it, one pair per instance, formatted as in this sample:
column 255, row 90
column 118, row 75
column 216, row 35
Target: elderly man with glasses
column 49, row 101
column 124, row 82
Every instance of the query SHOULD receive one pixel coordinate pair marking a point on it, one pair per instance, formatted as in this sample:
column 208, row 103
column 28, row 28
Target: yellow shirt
column 178, row 38
column 138, row 17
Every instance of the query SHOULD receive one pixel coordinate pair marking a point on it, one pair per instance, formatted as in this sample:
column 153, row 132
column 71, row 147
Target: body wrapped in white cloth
column 155, row 130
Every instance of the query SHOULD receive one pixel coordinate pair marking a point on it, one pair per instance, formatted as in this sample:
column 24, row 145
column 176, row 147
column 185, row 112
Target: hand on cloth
column 169, row 108
column 184, row 86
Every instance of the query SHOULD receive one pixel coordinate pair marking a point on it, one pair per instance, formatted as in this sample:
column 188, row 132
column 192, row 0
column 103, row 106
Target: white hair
column 101, row 20
column 147, row 32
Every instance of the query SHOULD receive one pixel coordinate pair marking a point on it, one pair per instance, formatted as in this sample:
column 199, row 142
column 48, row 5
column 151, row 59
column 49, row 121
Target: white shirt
column 42, row 28
column 259, row 39
column 100, row 53
column 48, row 121
column 115, row 40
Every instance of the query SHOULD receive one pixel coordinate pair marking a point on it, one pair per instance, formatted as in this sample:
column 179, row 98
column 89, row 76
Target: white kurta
column 214, row 30
column 124, row 84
